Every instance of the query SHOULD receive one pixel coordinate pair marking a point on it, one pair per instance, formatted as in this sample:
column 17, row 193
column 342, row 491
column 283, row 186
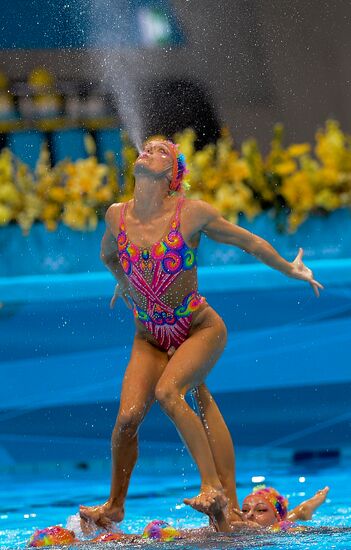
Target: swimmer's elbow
column 256, row 246
column 105, row 257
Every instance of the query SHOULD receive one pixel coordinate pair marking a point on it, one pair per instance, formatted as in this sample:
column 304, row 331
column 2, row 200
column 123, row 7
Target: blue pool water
column 282, row 383
column 38, row 497
column 63, row 353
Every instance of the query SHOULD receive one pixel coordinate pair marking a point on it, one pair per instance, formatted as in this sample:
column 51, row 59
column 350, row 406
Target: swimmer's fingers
column 115, row 296
column 301, row 271
column 113, row 300
column 315, row 289
column 316, row 285
column 125, row 299
column 120, row 292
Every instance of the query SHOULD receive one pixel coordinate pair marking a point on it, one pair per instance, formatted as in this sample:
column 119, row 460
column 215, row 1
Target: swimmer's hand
column 121, row 291
column 300, row 271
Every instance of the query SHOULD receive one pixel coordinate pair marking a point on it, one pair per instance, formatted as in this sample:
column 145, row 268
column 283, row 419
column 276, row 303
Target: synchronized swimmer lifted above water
column 178, row 335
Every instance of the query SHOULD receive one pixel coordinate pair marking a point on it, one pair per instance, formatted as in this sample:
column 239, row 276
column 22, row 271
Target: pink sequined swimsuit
column 160, row 278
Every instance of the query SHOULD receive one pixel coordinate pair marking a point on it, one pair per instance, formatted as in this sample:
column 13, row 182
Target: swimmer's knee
column 127, row 424
column 167, row 396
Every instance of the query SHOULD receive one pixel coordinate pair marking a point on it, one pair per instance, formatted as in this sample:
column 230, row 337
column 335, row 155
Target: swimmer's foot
column 209, row 501
column 307, row 508
column 101, row 516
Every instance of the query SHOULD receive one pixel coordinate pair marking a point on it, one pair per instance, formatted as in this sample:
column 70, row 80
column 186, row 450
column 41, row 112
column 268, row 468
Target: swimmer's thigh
column 144, row 369
column 195, row 357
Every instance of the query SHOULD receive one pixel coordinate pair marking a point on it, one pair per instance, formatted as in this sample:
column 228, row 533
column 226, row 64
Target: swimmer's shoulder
column 113, row 217
column 198, row 213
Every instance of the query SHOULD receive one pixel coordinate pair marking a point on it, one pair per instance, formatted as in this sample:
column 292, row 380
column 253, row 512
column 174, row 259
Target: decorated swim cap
column 179, row 169
column 108, row 537
column 51, row 536
column 278, row 503
column 161, row 531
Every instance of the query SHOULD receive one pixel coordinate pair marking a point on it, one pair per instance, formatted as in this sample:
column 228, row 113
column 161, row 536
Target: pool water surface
column 38, row 496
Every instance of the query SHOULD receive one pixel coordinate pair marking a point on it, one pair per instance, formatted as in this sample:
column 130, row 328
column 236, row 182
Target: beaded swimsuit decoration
column 165, row 259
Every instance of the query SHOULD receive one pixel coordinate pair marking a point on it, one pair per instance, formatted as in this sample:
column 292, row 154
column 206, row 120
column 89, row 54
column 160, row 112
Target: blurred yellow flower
column 295, row 219
column 104, row 194
column 186, row 141
column 285, row 168
column 5, row 214
column 234, row 181
column 79, row 216
column 298, row 191
column 330, row 177
column 239, row 170
column 299, row 149
column 50, row 212
column 327, row 200
column 9, row 194
column 51, row 225
column 6, row 165
column 90, row 145
column 57, row 194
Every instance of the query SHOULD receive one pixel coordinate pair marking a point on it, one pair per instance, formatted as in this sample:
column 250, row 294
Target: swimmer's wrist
column 290, row 270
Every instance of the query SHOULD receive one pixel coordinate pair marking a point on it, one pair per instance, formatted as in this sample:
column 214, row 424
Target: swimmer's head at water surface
column 162, row 161
column 265, row 507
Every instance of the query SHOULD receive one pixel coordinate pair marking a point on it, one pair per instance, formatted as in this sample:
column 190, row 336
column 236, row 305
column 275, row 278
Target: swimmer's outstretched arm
column 305, row 510
column 209, row 221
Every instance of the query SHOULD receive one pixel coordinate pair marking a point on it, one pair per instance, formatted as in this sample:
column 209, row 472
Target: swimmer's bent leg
column 186, row 369
column 221, row 446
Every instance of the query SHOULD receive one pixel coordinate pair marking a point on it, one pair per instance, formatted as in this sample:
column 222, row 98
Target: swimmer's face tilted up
column 155, row 161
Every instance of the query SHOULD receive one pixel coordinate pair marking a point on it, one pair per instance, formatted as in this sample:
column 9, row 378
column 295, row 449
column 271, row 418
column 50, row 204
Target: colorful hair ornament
column 278, row 503
column 179, row 169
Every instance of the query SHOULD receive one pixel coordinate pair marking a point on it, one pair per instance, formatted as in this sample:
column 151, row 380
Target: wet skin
column 165, row 377
column 152, row 373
